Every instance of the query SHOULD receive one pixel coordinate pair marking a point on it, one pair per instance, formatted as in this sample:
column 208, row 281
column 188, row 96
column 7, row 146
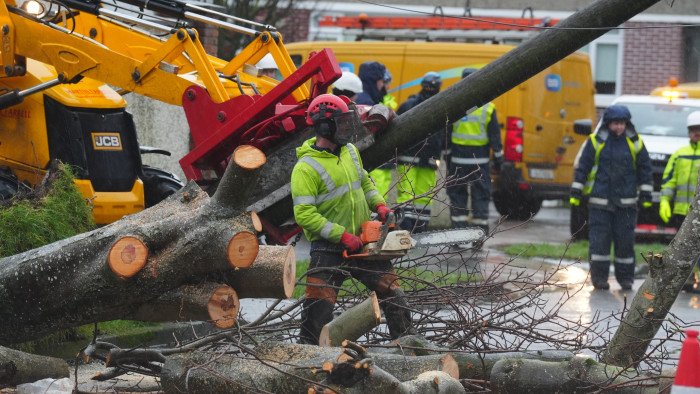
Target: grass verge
column 574, row 251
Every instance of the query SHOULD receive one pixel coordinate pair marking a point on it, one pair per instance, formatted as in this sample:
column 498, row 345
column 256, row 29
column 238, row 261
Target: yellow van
column 537, row 117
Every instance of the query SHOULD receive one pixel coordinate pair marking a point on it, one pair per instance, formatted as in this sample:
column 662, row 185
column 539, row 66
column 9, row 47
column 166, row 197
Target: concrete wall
column 163, row 126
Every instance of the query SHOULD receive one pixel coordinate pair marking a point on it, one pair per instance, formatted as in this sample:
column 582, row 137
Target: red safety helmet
column 325, row 106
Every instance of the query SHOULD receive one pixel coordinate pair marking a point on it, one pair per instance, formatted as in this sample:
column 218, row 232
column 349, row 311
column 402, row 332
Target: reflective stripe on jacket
column 611, row 168
column 471, row 129
column 332, row 194
column 681, row 178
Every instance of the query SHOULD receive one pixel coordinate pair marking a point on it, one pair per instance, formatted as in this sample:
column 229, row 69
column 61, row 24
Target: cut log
column 127, row 256
column 18, row 367
column 471, row 365
column 352, row 323
column 257, row 223
column 212, row 302
column 580, row 374
column 272, row 275
column 242, row 249
column 238, row 180
column 403, row 367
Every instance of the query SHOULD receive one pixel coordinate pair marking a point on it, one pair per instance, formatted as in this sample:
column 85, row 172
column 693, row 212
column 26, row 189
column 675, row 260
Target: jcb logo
column 106, row 141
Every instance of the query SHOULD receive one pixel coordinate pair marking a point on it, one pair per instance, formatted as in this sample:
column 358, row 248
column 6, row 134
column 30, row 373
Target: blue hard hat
column 616, row 112
column 431, row 80
column 467, row 72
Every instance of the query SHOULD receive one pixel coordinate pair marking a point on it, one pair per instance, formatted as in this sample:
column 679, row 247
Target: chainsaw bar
column 449, row 237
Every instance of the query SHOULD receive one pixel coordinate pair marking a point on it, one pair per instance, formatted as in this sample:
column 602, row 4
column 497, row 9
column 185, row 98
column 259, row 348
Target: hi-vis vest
column 635, row 147
column 331, row 194
column 681, row 178
column 471, row 129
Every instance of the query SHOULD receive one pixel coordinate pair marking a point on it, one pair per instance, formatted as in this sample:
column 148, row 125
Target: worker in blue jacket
column 614, row 167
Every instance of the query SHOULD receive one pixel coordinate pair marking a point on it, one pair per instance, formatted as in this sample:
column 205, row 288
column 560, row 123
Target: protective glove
column 351, row 242
column 646, row 204
column 497, row 163
column 574, row 201
column 383, row 211
column 665, row 210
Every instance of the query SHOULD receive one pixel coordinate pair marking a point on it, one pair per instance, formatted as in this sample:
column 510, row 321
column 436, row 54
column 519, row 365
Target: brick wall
column 295, row 27
column 208, row 36
column 651, row 57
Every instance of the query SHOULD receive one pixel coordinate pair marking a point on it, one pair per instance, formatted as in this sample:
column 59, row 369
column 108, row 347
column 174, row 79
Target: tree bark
column 212, row 302
column 18, row 367
column 272, row 275
column 578, row 375
column 668, row 272
column 197, row 372
column 352, row 323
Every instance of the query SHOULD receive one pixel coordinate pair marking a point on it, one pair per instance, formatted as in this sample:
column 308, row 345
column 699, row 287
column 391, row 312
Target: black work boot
column 315, row 314
column 398, row 316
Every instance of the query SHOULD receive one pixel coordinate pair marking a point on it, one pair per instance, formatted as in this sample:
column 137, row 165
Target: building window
column 606, row 63
column 691, row 54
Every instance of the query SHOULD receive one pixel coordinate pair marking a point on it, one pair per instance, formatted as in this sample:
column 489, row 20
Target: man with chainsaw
column 333, row 196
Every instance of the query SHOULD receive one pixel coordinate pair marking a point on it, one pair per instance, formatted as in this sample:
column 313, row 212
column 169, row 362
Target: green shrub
column 40, row 220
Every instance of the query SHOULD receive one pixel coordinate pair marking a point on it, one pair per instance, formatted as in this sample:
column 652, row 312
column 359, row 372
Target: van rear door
column 551, row 101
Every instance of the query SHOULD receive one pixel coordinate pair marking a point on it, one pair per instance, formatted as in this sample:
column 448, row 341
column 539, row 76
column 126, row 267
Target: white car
column 661, row 124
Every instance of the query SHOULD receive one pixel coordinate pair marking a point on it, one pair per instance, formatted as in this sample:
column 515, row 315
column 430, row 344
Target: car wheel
column 9, row 185
column 159, row 184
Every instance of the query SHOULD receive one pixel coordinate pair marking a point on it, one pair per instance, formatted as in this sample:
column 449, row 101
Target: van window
column 660, row 119
column 297, row 60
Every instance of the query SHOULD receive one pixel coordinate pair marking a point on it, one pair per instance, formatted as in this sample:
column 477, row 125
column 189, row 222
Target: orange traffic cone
column 687, row 376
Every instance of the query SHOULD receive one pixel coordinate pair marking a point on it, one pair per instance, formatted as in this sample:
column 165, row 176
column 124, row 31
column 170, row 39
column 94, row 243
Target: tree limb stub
column 272, row 274
column 236, row 184
column 212, row 302
column 127, row 256
column 352, row 323
column 18, row 367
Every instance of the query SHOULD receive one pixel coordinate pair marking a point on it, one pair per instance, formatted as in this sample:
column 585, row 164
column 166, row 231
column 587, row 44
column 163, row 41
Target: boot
column 398, row 316
column 315, row 314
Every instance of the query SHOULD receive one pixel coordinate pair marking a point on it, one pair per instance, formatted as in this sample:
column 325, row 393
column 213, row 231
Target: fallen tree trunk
column 18, row 367
column 208, row 372
column 578, row 375
column 70, row 282
column 352, row 323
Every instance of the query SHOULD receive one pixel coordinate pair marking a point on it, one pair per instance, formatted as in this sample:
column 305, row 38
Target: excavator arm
column 227, row 103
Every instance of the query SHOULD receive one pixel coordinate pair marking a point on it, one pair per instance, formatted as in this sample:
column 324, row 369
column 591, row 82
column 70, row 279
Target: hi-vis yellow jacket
column 681, row 178
column 332, row 194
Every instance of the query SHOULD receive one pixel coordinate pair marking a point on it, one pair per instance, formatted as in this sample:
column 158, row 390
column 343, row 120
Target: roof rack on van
column 438, row 28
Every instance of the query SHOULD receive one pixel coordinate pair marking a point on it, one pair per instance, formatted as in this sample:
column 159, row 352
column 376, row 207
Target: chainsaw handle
column 390, row 218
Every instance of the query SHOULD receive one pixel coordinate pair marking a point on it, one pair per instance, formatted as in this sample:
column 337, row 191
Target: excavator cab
column 87, row 126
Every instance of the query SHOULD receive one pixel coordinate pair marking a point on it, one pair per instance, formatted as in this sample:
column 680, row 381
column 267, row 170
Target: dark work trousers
column 479, row 179
column 327, row 272
column 614, row 225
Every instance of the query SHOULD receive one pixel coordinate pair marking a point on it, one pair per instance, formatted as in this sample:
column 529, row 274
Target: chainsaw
column 383, row 241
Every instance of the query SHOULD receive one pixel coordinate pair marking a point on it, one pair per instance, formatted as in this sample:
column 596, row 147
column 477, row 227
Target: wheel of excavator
column 9, row 185
column 159, row 184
